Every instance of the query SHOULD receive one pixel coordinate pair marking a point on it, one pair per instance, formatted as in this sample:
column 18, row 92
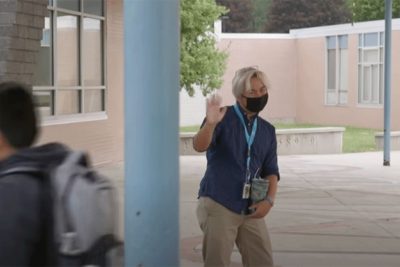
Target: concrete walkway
column 331, row 210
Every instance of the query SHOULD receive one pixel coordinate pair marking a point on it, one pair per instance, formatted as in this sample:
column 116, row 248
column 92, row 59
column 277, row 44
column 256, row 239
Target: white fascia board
column 256, row 36
column 220, row 35
column 349, row 28
column 338, row 29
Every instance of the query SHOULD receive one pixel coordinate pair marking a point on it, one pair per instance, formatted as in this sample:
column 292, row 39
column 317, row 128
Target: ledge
column 186, row 144
column 394, row 140
column 323, row 140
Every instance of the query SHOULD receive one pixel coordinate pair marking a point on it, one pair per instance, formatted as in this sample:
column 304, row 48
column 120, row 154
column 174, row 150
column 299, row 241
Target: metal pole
column 151, row 132
column 388, row 79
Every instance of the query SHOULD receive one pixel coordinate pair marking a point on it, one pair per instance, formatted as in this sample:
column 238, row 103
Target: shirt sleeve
column 270, row 164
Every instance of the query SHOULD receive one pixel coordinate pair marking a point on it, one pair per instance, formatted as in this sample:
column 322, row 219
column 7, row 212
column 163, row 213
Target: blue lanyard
column 249, row 138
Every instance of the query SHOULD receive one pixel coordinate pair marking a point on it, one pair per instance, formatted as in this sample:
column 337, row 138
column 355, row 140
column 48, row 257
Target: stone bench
column 394, row 140
column 324, row 140
column 186, row 144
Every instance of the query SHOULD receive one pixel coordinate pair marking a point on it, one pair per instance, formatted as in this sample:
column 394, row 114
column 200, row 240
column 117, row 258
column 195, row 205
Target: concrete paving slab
column 331, row 210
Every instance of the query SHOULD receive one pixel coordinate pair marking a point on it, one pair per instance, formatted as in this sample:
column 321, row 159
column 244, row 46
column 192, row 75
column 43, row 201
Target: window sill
column 372, row 106
column 337, row 105
column 75, row 118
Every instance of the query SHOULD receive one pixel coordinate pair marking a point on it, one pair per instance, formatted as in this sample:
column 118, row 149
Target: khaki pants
column 223, row 228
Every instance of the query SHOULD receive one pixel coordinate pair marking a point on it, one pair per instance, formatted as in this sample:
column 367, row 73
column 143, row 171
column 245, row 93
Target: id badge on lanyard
column 246, row 186
column 246, row 191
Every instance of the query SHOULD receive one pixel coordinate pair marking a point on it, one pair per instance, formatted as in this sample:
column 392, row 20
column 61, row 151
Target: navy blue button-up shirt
column 227, row 155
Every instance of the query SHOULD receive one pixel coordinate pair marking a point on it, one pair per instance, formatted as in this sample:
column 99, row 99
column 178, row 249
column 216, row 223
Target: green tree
column 259, row 16
column 291, row 14
column 201, row 64
column 239, row 17
column 366, row 10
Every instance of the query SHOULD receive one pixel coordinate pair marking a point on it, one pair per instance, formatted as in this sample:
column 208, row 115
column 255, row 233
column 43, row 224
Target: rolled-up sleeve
column 270, row 164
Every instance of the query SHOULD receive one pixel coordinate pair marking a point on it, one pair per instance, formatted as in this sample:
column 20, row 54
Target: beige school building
column 331, row 75
column 72, row 53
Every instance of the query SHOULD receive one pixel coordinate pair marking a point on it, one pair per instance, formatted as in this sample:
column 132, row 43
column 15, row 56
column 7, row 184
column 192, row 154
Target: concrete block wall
column 394, row 140
column 300, row 141
column 21, row 25
column 324, row 140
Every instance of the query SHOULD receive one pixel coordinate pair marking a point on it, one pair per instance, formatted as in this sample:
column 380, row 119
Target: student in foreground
column 50, row 197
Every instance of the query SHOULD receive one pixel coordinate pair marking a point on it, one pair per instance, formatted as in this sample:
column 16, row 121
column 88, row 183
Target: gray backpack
column 84, row 214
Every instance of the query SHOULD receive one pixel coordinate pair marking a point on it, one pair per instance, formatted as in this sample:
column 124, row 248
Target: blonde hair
column 241, row 81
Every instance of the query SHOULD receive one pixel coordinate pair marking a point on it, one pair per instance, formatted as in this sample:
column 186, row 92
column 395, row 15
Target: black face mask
column 256, row 104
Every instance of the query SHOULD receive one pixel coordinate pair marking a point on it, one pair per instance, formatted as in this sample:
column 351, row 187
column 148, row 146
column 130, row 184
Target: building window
column 336, row 70
column 370, row 68
column 70, row 75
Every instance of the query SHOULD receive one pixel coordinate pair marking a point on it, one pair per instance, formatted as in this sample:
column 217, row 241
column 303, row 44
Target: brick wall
column 21, row 24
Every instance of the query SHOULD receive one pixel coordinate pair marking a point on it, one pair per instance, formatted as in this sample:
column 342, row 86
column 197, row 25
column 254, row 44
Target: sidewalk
column 331, row 210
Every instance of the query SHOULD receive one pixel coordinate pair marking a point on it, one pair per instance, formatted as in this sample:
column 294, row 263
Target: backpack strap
column 47, row 215
column 64, row 186
column 22, row 169
column 77, row 157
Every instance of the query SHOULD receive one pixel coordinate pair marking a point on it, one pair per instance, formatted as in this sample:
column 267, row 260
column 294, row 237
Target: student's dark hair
column 18, row 122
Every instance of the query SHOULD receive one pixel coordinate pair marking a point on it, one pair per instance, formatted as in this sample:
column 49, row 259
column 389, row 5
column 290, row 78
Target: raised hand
column 214, row 111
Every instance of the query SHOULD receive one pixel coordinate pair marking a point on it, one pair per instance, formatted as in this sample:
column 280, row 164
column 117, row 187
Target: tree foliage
column 259, row 16
column 201, row 63
column 291, row 14
column 365, row 10
column 239, row 17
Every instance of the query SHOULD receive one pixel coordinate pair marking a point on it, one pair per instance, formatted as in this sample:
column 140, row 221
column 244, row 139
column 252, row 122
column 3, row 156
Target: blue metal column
column 388, row 81
column 151, row 132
